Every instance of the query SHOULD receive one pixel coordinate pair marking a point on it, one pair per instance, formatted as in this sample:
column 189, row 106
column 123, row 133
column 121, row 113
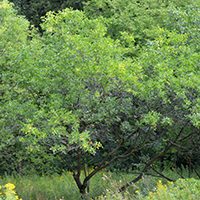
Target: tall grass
column 104, row 185
column 54, row 187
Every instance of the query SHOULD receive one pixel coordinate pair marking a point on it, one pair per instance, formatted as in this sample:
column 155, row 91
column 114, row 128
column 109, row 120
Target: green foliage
column 13, row 37
column 59, row 76
column 13, row 33
column 171, row 68
column 185, row 21
column 67, row 87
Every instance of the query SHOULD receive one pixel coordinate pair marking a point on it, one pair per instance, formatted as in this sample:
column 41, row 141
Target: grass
column 102, row 186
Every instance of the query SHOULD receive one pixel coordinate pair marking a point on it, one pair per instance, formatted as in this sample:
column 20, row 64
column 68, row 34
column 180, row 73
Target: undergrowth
column 103, row 186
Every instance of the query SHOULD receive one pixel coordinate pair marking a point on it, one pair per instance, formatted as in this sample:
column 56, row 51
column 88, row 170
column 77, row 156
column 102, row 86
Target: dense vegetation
column 115, row 86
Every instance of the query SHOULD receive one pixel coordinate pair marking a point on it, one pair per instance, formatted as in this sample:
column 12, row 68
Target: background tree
column 68, row 82
column 138, row 18
column 35, row 9
column 185, row 21
column 73, row 93
column 13, row 36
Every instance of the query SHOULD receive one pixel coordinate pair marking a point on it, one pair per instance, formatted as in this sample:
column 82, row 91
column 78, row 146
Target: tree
column 69, row 84
column 78, row 95
column 138, row 18
column 35, row 9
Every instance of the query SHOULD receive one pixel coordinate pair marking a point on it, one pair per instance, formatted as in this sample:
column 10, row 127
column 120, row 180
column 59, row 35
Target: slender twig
column 154, row 159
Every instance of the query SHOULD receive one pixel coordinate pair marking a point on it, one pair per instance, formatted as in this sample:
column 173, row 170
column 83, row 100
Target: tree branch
column 154, row 159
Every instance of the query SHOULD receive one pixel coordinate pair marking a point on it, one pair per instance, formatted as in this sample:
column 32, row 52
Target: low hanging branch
column 145, row 168
column 161, row 175
column 154, row 159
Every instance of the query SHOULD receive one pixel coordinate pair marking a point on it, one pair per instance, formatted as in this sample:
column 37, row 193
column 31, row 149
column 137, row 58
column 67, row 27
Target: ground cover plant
column 79, row 96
